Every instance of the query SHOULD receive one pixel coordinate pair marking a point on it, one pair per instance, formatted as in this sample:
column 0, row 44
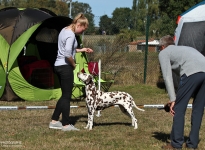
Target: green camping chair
column 104, row 84
column 78, row 86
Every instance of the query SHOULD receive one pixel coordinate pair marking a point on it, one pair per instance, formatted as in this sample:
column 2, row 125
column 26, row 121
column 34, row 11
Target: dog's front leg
column 90, row 118
column 89, row 114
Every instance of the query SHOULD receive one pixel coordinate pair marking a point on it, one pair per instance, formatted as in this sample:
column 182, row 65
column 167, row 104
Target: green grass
column 111, row 131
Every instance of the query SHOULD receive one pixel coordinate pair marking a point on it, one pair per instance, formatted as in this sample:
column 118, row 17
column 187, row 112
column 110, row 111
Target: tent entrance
column 28, row 69
column 36, row 62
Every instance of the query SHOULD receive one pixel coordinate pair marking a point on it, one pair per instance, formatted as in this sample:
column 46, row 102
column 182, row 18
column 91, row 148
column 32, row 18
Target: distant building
column 140, row 45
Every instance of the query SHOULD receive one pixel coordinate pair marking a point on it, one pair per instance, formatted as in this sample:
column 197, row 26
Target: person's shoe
column 70, row 127
column 189, row 148
column 57, row 125
column 170, row 147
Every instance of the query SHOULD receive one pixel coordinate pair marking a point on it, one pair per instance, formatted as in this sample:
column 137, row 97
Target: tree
column 61, row 8
column 32, row 4
column 141, row 16
column 105, row 24
column 134, row 15
column 121, row 19
column 153, row 13
column 169, row 11
column 4, row 3
column 51, row 4
column 153, row 9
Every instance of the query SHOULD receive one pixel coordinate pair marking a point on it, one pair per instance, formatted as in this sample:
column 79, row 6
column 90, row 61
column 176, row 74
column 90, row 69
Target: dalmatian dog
column 99, row 100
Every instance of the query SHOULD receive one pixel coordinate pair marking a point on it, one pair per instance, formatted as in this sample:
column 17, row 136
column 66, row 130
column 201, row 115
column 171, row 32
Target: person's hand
column 171, row 108
column 74, row 65
column 88, row 50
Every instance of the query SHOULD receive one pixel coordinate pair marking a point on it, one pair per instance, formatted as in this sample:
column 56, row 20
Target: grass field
column 28, row 129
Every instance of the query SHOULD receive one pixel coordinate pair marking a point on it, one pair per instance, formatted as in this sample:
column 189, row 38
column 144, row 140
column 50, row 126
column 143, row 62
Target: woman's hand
column 74, row 66
column 88, row 50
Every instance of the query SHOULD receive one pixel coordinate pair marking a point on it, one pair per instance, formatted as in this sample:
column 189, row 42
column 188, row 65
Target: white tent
column 191, row 28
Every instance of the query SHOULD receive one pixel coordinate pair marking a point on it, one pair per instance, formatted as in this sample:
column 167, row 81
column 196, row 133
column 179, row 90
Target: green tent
column 28, row 49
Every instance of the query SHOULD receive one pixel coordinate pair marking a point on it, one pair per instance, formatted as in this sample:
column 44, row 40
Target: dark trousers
column 193, row 85
column 65, row 75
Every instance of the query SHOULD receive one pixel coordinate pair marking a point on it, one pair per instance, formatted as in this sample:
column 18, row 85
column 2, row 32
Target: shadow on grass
column 74, row 119
column 164, row 137
column 161, row 136
column 113, row 123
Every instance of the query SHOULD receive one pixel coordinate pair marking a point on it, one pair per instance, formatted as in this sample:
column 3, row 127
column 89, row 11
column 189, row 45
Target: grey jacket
column 181, row 60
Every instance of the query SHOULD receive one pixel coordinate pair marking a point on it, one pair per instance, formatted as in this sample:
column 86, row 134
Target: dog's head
column 86, row 78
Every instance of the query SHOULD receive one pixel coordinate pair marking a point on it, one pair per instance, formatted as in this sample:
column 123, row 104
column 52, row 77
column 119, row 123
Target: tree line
column 162, row 13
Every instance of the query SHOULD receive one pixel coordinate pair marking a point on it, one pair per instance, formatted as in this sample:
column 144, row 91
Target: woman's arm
column 71, row 61
column 87, row 50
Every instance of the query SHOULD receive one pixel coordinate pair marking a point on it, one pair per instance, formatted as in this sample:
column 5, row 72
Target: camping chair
column 104, row 84
column 78, row 86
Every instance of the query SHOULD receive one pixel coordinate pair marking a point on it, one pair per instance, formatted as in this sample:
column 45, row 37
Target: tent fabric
column 191, row 28
column 3, row 79
column 190, row 31
column 9, row 93
column 14, row 22
column 194, row 37
column 30, row 33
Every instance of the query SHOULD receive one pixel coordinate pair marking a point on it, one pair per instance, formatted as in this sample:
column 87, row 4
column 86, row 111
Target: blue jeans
column 66, row 78
column 193, row 85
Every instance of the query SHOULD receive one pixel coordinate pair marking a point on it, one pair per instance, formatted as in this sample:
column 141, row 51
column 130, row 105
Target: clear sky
column 106, row 7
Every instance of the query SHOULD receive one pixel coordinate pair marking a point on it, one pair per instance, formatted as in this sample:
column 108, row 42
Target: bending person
column 189, row 64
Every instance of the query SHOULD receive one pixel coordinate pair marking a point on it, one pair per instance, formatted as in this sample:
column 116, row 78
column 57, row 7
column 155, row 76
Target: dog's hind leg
column 124, row 110
column 131, row 114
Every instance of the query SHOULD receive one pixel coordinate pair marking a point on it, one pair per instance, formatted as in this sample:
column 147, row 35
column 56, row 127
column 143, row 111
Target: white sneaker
column 70, row 127
column 57, row 125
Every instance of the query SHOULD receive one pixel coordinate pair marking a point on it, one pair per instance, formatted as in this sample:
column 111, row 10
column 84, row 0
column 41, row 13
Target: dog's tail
column 133, row 103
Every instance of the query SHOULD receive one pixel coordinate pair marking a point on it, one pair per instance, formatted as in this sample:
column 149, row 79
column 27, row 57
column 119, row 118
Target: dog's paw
column 86, row 127
column 136, row 126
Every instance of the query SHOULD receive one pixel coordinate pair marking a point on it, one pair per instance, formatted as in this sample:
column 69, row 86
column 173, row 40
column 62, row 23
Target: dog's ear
column 89, row 79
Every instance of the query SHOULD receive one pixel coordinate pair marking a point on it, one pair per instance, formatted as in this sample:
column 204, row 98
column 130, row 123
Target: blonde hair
column 81, row 19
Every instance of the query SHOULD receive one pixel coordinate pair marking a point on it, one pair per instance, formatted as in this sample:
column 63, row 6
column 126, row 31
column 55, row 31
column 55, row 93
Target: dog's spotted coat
column 98, row 100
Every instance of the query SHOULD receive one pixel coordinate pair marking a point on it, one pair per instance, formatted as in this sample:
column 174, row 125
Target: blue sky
column 106, row 7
